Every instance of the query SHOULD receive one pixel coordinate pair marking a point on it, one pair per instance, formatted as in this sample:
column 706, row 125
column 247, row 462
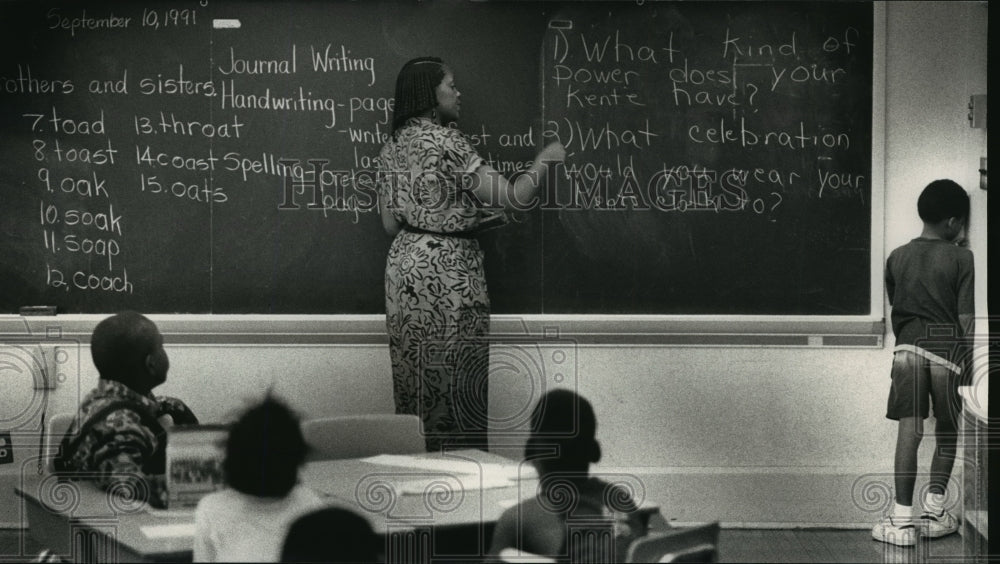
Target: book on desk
column 194, row 463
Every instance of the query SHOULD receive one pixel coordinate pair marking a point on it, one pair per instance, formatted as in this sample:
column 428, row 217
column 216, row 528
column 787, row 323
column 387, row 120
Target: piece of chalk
column 38, row 310
column 561, row 24
column 225, row 24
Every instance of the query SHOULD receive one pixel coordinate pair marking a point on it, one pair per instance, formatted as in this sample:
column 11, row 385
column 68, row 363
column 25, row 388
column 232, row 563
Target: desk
column 442, row 520
column 90, row 525
column 426, row 514
column 391, row 496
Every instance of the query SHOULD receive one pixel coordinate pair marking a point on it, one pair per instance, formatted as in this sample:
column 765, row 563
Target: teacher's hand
column 553, row 152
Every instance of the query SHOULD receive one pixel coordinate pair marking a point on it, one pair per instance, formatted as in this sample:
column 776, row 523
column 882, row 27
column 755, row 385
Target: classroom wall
column 748, row 436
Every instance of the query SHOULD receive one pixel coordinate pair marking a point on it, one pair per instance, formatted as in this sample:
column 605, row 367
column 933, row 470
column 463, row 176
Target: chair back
column 57, row 426
column 690, row 544
column 356, row 436
column 514, row 555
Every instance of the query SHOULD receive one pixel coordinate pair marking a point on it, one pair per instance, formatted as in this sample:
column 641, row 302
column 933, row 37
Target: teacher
column 433, row 194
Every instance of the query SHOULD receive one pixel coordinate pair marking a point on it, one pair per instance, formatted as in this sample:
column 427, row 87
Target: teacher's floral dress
column 436, row 302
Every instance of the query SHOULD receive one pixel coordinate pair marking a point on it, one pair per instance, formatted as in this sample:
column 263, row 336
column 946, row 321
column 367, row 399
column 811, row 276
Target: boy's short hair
column 331, row 535
column 264, row 450
column 120, row 344
column 563, row 421
column 942, row 199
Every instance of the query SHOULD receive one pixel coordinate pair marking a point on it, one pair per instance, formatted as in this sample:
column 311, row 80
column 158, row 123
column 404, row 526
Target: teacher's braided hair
column 415, row 89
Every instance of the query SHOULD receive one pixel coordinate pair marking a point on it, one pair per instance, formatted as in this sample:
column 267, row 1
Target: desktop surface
column 427, row 493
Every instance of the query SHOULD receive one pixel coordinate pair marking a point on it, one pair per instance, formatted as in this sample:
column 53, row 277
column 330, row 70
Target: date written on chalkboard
column 56, row 19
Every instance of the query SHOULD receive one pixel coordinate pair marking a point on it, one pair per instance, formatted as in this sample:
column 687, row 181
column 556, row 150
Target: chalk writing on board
column 176, row 84
column 171, row 17
column 24, row 82
column 692, row 132
column 341, row 60
column 590, row 70
column 80, row 21
column 83, row 241
column 240, row 65
column 218, row 156
column 171, row 124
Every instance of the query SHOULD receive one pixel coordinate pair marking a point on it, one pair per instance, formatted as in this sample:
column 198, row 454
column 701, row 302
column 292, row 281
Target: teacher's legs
column 440, row 372
column 454, row 381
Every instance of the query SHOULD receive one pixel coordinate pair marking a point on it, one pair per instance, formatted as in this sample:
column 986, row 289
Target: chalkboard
column 719, row 158
column 215, row 157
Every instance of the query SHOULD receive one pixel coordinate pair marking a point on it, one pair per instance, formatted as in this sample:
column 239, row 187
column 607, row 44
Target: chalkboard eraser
column 38, row 310
column 220, row 23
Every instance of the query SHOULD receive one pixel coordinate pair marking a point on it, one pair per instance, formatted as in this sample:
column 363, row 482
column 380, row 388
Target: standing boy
column 930, row 286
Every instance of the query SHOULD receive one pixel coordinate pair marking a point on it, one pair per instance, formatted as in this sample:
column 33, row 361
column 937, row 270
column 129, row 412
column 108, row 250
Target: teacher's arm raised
column 494, row 189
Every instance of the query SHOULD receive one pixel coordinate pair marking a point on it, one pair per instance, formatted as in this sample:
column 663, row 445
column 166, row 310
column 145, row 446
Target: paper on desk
column 456, row 483
column 182, row 513
column 488, row 470
column 451, row 465
column 168, row 531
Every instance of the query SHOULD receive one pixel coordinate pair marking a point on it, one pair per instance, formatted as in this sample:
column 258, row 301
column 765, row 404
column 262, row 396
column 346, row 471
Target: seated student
column 248, row 520
column 574, row 516
column 119, row 436
column 332, row 535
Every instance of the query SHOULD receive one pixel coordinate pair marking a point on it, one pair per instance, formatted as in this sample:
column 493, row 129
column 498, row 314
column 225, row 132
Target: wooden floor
column 735, row 545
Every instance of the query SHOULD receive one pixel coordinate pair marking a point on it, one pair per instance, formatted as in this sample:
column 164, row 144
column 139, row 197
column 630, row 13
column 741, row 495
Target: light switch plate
column 977, row 111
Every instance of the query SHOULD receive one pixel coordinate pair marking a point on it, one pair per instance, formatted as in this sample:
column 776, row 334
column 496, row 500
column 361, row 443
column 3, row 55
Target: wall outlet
column 6, row 449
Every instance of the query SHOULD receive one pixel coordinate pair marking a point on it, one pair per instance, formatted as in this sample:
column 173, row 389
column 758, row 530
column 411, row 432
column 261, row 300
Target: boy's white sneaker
column 900, row 535
column 934, row 526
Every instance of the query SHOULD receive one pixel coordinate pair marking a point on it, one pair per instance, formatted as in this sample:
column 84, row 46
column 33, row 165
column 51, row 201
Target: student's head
column 264, row 450
column 944, row 207
column 563, row 433
column 332, row 535
column 128, row 348
column 417, row 89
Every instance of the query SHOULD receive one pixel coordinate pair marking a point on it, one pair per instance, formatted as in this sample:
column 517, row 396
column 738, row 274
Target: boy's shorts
column 911, row 392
